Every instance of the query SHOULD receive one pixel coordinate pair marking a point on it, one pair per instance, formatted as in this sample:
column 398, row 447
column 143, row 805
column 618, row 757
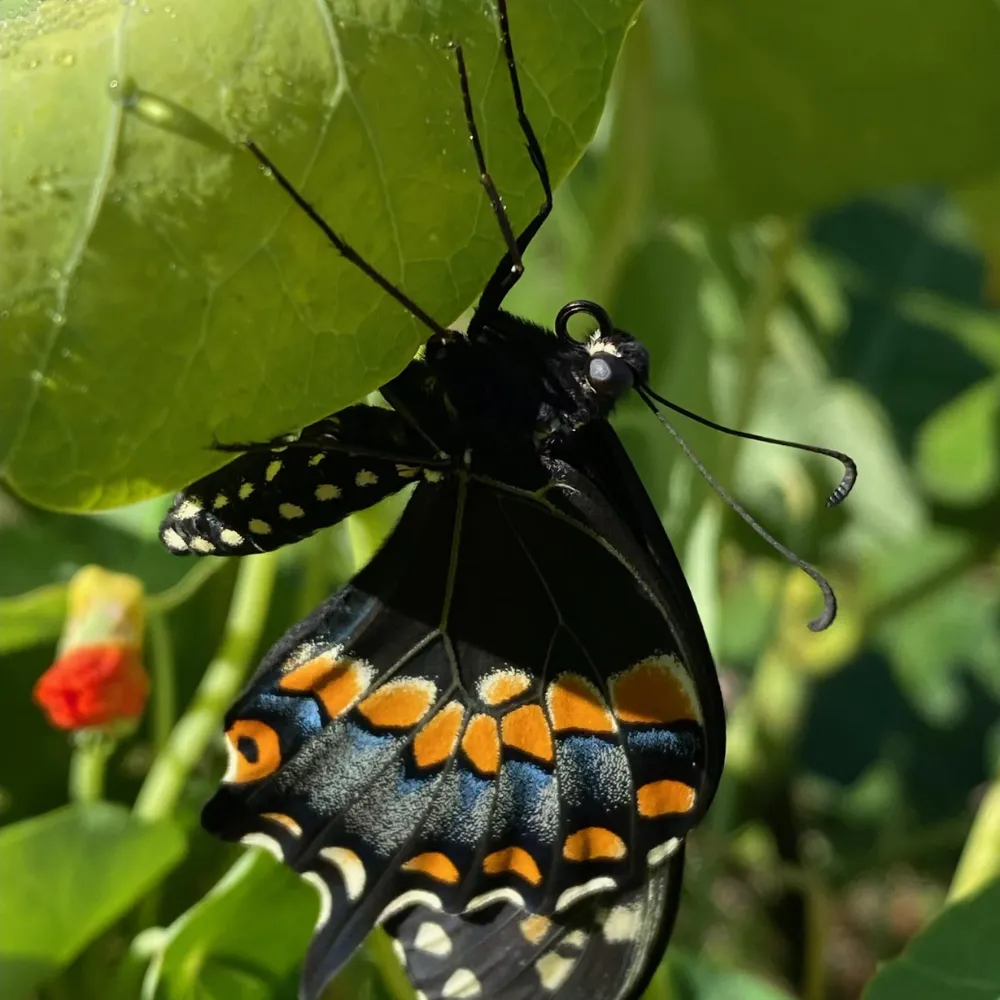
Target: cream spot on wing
column 173, row 540
column 325, row 899
column 187, row 509
column 265, row 842
column 553, row 969
column 202, row 545
column 432, row 939
column 433, row 476
column 578, row 892
column 399, row 951
column 259, row 527
column 462, row 983
column 661, row 852
column 220, row 501
column 327, row 491
column 494, row 896
column 621, row 925
column 365, row 477
column 231, row 537
column 290, row 511
column 575, row 939
column 286, row 821
column 414, row 897
column 273, row 468
column 351, row 868
column 245, row 490
column 317, row 458
column 406, row 471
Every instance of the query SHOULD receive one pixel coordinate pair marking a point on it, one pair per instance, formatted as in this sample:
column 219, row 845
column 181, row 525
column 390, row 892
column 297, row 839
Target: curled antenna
column 829, row 598
column 850, row 466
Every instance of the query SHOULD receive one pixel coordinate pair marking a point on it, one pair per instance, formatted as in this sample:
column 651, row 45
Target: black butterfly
column 494, row 740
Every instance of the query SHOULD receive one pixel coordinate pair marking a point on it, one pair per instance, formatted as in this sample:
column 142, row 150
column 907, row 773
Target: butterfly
column 494, row 740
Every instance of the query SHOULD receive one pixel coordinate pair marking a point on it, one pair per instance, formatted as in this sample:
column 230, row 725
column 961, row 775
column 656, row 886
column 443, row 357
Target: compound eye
column 609, row 375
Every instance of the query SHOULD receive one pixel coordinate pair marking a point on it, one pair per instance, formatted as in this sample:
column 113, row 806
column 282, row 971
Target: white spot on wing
column 273, row 468
column 575, row 939
column 220, row 501
column 259, row 527
column 231, row 537
column 265, row 842
column 622, row 924
column 327, row 491
column 415, row 897
column 661, row 852
column 245, row 490
column 553, row 969
column 325, row 899
column 202, row 545
column 351, row 868
column 187, row 509
column 433, row 476
column 432, row 939
column 577, row 892
column 365, row 477
column 317, row 458
column 462, row 983
column 290, row 511
column 173, row 540
column 494, row 896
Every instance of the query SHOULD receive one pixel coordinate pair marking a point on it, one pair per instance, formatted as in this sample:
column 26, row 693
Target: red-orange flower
column 98, row 679
column 95, row 685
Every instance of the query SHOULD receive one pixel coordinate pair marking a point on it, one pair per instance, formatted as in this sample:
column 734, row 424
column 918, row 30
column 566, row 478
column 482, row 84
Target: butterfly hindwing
column 281, row 492
column 471, row 722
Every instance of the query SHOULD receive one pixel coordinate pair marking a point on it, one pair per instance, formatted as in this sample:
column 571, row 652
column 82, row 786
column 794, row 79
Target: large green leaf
column 156, row 288
column 955, row 958
column 780, row 106
column 696, row 979
column 67, row 876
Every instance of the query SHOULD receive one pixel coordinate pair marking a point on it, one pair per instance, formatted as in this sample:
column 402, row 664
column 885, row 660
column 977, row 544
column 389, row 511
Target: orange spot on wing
column 659, row 798
column 501, row 686
column 594, row 843
column 652, row 691
column 481, row 743
column 513, row 859
column 534, row 928
column 255, row 750
column 399, row 704
column 527, row 729
column 435, row 864
column 435, row 742
column 337, row 682
column 575, row 703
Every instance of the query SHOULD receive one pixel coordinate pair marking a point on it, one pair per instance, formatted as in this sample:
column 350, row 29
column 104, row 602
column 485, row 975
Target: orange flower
column 98, row 679
column 95, row 685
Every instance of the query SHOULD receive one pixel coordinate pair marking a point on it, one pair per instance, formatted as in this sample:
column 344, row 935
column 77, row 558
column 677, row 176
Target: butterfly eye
column 609, row 375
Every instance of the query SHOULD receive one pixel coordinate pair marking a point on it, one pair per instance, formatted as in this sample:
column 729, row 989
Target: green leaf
column 158, row 289
column 781, row 107
column 247, row 935
column 958, row 451
column 66, row 877
column 31, row 618
column 695, row 979
column 955, row 958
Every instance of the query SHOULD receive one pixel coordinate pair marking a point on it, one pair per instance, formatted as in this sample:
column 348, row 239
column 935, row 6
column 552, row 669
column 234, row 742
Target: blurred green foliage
column 798, row 213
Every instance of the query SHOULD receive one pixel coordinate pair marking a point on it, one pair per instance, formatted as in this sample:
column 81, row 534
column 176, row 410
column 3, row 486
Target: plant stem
column 188, row 585
column 164, row 690
column 87, row 767
column 220, row 684
column 980, row 860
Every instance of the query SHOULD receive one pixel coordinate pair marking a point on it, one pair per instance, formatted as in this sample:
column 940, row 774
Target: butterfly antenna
column 846, row 483
column 829, row 598
column 342, row 246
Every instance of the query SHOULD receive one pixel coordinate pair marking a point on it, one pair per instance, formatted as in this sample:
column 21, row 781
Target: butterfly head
column 615, row 361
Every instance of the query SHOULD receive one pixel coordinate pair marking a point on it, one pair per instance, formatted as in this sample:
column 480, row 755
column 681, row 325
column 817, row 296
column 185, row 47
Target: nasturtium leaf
column 955, row 958
column 782, row 107
column 68, row 875
column 157, row 290
column 693, row 978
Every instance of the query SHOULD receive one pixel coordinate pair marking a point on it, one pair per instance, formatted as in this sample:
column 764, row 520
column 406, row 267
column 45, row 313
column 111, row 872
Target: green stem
column 187, row 586
column 220, row 684
column 164, row 691
column 88, row 765
column 980, row 860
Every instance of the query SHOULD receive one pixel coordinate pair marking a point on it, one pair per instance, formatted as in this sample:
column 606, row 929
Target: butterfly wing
column 601, row 948
column 281, row 492
column 493, row 712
